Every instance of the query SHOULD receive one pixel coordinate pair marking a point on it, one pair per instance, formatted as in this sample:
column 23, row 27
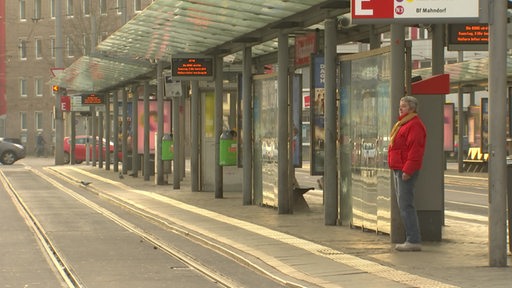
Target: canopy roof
column 220, row 27
column 210, row 27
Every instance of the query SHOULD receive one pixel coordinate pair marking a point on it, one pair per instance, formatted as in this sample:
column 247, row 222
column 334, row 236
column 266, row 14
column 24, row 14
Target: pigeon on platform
column 121, row 175
column 85, row 183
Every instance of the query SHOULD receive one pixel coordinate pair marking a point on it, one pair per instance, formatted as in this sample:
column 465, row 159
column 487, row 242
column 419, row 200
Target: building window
column 103, row 7
column 37, row 10
column 69, row 8
column 38, row 117
column 52, row 9
column 39, row 48
column 425, row 64
column 23, row 87
column 52, row 117
column 39, row 87
column 69, row 47
column 87, row 45
column 23, row 15
column 120, row 6
column 87, row 7
column 23, row 121
column 23, row 49
column 137, row 5
column 423, row 33
column 52, row 47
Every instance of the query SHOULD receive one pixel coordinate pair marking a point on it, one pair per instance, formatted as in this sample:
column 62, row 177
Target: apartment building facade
column 28, row 52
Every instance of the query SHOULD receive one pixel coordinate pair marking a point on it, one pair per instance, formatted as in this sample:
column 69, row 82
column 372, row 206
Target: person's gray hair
column 411, row 101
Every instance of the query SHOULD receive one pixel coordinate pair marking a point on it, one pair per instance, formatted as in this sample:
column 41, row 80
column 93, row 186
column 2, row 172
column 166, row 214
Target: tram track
column 216, row 277
column 184, row 232
column 65, row 272
column 72, row 279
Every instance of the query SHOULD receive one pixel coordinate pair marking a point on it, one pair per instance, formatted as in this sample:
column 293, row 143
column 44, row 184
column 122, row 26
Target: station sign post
column 413, row 12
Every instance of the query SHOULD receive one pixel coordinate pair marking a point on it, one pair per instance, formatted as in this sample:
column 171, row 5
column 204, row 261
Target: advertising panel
column 317, row 112
column 305, row 45
column 485, row 125
column 449, row 126
column 365, row 124
column 153, row 123
column 265, row 138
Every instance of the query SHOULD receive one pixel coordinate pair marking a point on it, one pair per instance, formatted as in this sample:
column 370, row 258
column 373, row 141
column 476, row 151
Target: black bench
column 299, row 203
column 476, row 161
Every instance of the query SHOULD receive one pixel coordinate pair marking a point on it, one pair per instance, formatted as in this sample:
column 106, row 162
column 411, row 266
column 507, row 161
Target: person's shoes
column 407, row 246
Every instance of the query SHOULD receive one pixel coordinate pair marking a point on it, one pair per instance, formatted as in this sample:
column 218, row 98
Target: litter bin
column 167, row 147
column 228, row 148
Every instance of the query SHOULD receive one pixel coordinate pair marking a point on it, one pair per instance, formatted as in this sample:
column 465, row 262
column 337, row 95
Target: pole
column 194, row 125
column 283, row 187
column 108, row 156
column 437, row 69
column 397, row 92
column 146, row 131
column 219, row 193
column 59, row 63
column 135, row 130
column 160, row 130
column 176, row 131
column 124, row 144
column 460, row 127
column 115, row 130
column 330, row 162
column 497, row 152
column 247, row 126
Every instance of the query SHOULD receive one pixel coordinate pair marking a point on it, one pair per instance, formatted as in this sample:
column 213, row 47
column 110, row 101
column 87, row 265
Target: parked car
column 12, row 140
column 10, row 152
column 81, row 142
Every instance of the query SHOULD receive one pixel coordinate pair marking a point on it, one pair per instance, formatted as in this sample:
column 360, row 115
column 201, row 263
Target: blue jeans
column 405, row 197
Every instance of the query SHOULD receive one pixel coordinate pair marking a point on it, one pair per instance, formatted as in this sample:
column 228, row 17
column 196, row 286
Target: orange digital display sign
column 468, row 36
column 93, row 99
column 191, row 68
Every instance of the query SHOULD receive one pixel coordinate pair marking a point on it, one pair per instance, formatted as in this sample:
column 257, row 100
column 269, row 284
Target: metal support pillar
column 176, row 131
column 330, row 160
column 100, row 140
column 147, row 164
column 94, row 133
column 135, row 130
column 247, row 126
column 108, row 156
column 397, row 92
column 283, row 187
column 195, row 132
column 72, row 145
column 460, row 130
column 219, row 193
column 159, row 177
column 181, row 156
column 115, row 102
column 460, row 117
column 59, row 63
column 124, row 133
column 437, row 69
column 497, row 133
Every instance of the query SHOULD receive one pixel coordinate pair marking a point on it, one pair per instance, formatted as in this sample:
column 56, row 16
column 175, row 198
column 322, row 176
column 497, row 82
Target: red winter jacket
column 406, row 153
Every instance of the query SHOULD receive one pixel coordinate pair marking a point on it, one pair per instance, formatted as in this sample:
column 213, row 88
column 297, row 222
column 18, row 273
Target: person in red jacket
column 405, row 156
